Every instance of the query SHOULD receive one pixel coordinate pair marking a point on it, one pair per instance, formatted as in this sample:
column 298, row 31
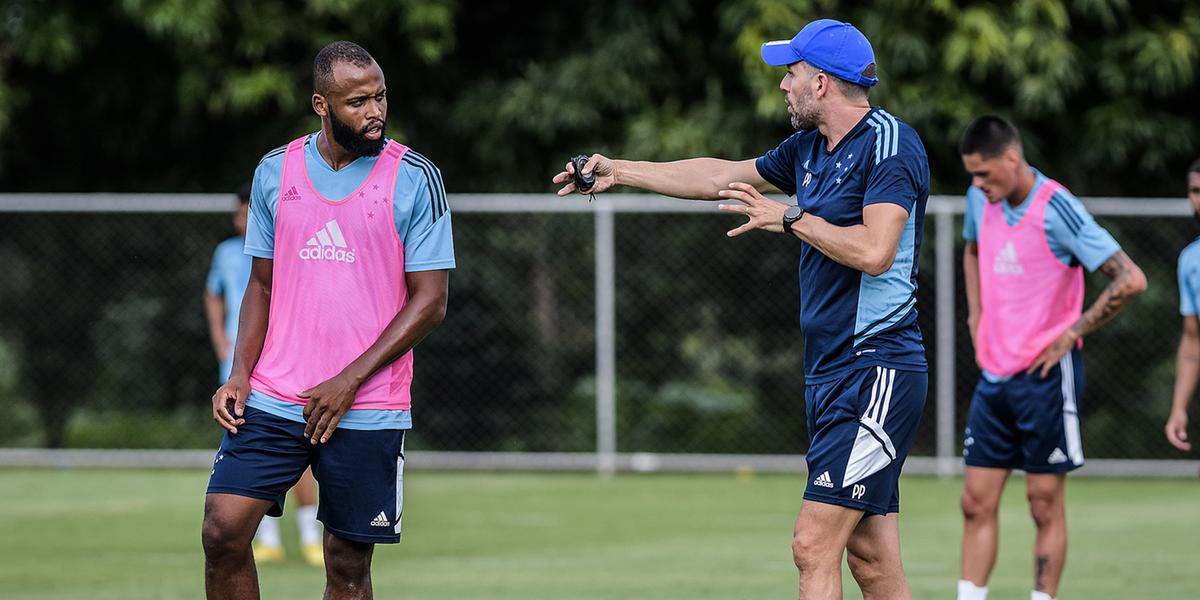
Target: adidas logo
column 381, row 520
column 824, row 480
column 1006, row 262
column 327, row 244
column 291, row 194
column 1057, row 457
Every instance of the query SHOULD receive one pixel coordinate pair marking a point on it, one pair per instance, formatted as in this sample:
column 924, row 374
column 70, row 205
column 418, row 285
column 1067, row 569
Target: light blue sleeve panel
column 213, row 282
column 1189, row 279
column 1073, row 234
column 423, row 215
column 973, row 214
column 264, row 200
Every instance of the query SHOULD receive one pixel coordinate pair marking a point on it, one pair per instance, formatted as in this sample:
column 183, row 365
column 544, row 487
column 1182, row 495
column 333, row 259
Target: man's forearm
column 1127, row 281
column 252, row 329
column 423, row 312
column 214, row 313
column 1187, row 369
column 971, row 283
column 693, row 178
column 870, row 247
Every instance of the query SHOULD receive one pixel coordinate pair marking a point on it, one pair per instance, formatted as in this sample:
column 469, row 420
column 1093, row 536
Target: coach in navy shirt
column 860, row 179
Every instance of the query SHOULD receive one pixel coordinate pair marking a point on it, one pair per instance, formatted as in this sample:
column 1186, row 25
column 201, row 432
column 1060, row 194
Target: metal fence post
column 606, row 359
column 944, row 283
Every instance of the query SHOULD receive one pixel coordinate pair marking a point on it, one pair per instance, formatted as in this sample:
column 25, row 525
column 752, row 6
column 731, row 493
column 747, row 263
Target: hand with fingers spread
column 764, row 213
column 327, row 404
column 597, row 164
column 229, row 403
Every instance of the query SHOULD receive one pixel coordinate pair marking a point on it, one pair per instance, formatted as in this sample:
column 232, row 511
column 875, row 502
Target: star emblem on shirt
column 839, row 164
column 361, row 194
column 838, row 180
column 370, row 215
column 375, row 186
column 850, row 156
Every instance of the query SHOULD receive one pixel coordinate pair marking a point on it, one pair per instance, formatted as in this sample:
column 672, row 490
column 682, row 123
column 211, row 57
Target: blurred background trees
column 101, row 318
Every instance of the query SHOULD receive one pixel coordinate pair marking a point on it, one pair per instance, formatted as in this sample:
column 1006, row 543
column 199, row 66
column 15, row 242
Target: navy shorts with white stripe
column 860, row 429
column 1028, row 422
column 360, row 473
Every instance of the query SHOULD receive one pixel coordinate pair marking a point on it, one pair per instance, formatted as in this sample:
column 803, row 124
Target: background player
column 1187, row 361
column 861, row 180
column 226, row 284
column 351, row 239
column 1027, row 238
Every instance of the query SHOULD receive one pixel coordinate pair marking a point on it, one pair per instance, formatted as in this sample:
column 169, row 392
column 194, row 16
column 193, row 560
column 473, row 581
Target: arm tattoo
column 1043, row 562
column 1121, row 270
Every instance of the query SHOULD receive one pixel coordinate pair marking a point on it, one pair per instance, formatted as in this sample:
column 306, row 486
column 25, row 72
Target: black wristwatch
column 791, row 215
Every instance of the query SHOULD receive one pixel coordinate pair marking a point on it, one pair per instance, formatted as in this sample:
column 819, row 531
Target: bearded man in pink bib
column 350, row 237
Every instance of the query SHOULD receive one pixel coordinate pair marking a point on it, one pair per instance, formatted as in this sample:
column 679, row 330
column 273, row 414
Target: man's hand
column 764, row 213
column 602, row 166
column 1177, row 430
column 229, row 403
column 327, row 404
column 1054, row 352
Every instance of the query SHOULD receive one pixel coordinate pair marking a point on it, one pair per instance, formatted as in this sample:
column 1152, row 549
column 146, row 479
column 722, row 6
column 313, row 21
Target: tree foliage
column 186, row 95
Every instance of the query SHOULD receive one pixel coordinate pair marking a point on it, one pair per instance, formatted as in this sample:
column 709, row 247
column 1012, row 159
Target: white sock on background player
column 1036, row 595
column 970, row 591
column 310, row 527
column 268, row 532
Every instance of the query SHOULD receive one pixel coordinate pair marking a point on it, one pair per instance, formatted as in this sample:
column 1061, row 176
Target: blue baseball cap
column 837, row 48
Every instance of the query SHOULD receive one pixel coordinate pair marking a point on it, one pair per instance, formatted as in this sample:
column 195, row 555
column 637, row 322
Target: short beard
column 356, row 142
column 803, row 117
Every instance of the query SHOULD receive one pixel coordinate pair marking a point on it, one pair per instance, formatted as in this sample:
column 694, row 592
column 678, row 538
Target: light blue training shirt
column 227, row 278
column 1189, row 279
column 422, row 218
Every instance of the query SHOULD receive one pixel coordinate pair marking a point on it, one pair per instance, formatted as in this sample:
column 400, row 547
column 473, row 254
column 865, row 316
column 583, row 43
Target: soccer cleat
column 267, row 554
column 314, row 555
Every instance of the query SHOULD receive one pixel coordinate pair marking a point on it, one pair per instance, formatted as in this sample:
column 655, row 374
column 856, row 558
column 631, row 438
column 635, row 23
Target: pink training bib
column 338, row 282
column 1029, row 296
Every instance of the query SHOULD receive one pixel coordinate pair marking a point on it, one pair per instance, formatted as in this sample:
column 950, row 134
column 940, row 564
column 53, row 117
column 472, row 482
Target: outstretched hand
column 764, row 213
column 601, row 165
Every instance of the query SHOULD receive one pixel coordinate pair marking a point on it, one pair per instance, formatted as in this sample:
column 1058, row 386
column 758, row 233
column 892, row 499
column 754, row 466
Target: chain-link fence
column 631, row 325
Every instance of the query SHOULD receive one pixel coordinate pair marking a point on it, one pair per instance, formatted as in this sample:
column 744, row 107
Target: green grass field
column 131, row 534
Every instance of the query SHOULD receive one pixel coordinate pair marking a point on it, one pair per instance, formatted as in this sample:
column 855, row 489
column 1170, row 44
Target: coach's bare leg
column 980, row 503
column 873, row 552
column 1047, row 505
column 229, row 524
column 817, row 546
column 347, row 569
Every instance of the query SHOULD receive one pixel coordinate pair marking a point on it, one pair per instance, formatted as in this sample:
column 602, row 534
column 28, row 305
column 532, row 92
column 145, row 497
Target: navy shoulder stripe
column 1071, row 225
column 437, row 195
column 275, row 152
column 1066, row 211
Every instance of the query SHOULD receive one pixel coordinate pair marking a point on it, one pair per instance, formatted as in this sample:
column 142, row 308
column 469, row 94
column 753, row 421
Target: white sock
column 268, row 532
column 970, row 591
column 310, row 527
column 1036, row 595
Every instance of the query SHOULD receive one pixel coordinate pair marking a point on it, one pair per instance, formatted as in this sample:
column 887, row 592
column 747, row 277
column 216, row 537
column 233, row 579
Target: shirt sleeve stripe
column 437, row 194
column 895, row 132
column 1071, row 225
column 1066, row 211
column 275, row 152
column 437, row 198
